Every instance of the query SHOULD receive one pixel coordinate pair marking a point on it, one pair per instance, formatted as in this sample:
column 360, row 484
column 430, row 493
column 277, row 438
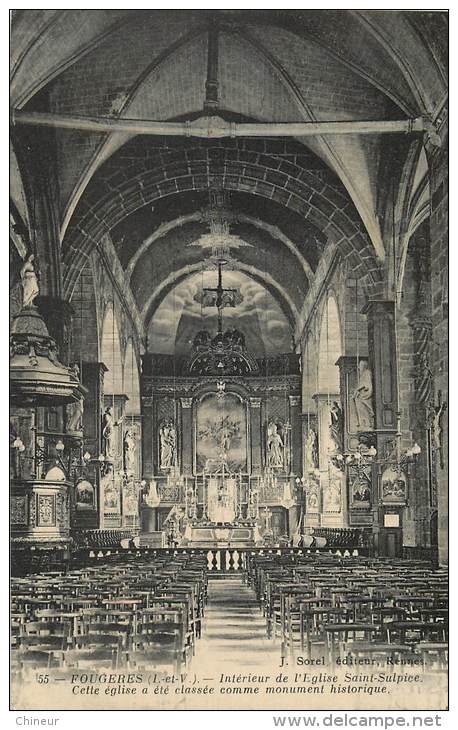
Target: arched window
column 111, row 353
column 131, row 381
column 330, row 348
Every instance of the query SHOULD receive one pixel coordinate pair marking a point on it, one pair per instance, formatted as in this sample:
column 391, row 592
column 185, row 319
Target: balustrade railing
column 220, row 561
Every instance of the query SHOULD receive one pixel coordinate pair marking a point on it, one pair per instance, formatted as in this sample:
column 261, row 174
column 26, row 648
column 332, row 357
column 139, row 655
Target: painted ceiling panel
column 178, row 318
column 181, row 247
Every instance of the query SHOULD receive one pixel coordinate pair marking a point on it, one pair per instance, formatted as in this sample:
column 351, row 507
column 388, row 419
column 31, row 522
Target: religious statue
column 84, row 495
column 75, row 370
column 312, row 499
column 168, row 445
column 275, row 446
column 110, row 491
column 332, row 496
column 202, row 339
column 224, row 439
column 311, row 452
column 336, row 427
column 129, row 447
column 108, row 433
column 75, row 416
column 30, row 288
column 362, row 398
column 438, row 412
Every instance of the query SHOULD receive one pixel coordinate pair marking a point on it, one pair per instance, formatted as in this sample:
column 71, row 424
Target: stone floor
column 234, row 631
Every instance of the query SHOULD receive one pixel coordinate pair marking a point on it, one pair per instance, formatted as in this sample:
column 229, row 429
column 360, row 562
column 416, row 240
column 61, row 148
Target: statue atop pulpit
column 29, row 281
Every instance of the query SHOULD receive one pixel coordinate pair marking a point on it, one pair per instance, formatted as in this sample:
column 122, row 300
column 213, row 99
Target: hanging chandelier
column 219, row 242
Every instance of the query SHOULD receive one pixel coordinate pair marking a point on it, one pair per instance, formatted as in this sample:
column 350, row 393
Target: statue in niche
column 75, row 416
column 275, row 446
column 362, row 398
column 336, row 428
column 129, row 448
column 167, row 436
column 108, row 433
column 311, row 451
column 30, row 288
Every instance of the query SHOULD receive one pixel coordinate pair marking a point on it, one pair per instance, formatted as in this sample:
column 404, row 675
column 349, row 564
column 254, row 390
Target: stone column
column 92, row 375
column 423, row 498
column 438, row 162
column 348, row 368
column 186, row 436
column 383, row 365
column 256, row 436
column 296, row 435
column 332, row 480
column 57, row 313
column 357, row 477
column 324, row 402
column 147, row 436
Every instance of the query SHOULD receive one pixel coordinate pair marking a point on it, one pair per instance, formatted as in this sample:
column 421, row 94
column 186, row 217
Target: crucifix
column 219, row 296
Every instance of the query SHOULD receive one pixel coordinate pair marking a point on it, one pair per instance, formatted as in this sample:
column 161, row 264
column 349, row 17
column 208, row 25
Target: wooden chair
column 155, row 649
column 340, row 636
column 434, row 655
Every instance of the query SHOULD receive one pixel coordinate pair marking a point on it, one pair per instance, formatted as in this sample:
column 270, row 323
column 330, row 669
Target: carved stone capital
column 255, row 402
column 294, row 400
column 186, row 402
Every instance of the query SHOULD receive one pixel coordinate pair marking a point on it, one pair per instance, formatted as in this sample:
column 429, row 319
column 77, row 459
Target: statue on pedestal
column 275, row 446
column 108, row 433
column 30, row 288
column 336, row 427
column 168, row 445
column 311, row 451
column 362, row 398
column 129, row 447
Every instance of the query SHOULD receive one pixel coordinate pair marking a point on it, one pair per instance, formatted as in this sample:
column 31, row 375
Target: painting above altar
column 221, row 434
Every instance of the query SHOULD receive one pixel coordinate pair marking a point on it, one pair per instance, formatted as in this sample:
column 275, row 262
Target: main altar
column 221, row 427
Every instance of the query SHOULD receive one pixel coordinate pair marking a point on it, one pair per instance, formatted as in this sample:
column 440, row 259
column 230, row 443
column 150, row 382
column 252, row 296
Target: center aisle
column 234, row 631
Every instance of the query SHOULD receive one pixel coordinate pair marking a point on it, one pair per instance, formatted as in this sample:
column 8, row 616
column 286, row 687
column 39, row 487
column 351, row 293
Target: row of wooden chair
column 127, row 613
column 323, row 605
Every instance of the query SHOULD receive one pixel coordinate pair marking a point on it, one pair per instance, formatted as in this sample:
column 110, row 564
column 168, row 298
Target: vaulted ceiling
column 271, row 66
